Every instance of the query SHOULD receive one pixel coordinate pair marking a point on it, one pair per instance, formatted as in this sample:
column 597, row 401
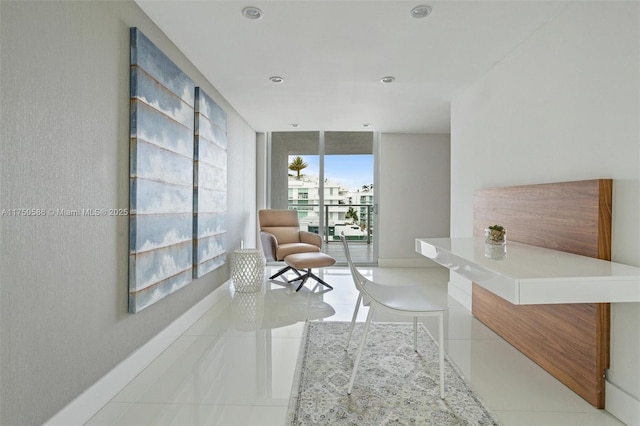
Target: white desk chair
column 402, row 300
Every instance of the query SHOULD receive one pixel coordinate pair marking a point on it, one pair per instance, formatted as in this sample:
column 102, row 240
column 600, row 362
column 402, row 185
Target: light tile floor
column 235, row 365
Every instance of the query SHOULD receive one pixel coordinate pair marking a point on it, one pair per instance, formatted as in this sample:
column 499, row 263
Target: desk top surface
column 525, row 274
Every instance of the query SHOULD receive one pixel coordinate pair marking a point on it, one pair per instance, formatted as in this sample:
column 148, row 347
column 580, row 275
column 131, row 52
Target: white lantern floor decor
column 247, row 270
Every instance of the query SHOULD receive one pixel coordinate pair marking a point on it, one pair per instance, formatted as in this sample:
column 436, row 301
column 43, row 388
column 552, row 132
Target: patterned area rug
column 394, row 384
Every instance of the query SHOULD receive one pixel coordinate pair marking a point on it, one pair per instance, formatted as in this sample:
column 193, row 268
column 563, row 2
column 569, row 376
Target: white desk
column 534, row 275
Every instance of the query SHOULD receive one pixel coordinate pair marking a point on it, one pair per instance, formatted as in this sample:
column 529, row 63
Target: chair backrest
column 283, row 224
column 381, row 294
column 358, row 279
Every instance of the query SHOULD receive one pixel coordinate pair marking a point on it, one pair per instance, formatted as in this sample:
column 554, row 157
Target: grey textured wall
column 64, row 135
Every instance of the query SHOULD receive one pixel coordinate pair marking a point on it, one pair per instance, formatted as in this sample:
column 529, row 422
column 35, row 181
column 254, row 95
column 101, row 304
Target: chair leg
column 353, row 321
column 441, row 355
column 360, row 347
column 283, row 270
column 415, row 334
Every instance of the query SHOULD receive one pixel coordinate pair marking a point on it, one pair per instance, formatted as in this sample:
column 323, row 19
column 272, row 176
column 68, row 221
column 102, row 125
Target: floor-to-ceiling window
column 329, row 178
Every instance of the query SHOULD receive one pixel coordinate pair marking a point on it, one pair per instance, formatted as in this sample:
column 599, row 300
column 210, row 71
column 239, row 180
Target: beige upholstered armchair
column 281, row 236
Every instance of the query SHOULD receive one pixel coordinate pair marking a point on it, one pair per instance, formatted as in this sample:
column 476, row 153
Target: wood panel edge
column 605, row 214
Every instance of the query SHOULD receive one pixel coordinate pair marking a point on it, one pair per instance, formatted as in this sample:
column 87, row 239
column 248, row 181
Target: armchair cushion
column 283, row 234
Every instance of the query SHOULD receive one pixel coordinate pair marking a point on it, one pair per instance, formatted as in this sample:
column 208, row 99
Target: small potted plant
column 495, row 234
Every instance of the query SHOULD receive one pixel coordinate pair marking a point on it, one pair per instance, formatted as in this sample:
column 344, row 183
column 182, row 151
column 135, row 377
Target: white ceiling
column 332, row 55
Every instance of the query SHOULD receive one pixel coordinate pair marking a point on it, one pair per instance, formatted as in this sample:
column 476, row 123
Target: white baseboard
column 621, row 405
column 88, row 403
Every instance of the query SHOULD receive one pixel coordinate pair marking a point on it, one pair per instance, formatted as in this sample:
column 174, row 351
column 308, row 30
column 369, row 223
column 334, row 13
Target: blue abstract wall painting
column 210, row 185
column 161, row 175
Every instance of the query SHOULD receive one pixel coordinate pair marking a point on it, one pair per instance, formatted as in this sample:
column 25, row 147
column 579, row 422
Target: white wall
column 65, row 144
column 564, row 106
column 413, row 191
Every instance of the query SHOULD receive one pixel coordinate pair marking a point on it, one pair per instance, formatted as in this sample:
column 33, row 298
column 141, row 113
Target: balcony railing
column 360, row 230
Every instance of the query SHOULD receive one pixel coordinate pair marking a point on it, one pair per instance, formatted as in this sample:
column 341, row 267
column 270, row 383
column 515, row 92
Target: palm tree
column 297, row 164
column 351, row 214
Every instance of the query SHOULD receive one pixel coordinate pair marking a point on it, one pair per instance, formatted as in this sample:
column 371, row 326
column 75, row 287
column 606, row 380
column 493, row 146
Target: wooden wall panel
column 574, row 216
column 570, row 341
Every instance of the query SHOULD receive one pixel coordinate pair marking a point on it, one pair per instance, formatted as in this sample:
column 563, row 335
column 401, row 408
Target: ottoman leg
column 304, row 279
column 299, row 277
column 320, row 280
column 308, row 274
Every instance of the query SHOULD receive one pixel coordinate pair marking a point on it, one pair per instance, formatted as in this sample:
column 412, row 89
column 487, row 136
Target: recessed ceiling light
column 295, row 125
column 276, row 79
column 388, row 79
column 421, row 11
column 251, row 12
column 366, row 125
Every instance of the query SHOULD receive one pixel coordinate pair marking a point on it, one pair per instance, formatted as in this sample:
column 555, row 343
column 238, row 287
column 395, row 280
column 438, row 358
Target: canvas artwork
column 210, row 185
column 161, row 175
